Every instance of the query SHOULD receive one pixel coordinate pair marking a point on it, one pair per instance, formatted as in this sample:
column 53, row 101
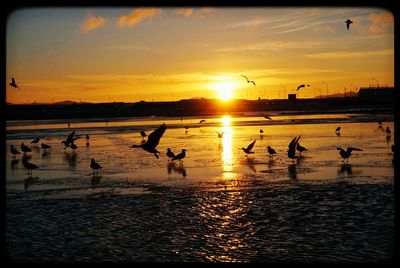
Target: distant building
column 292, row 97
column 376, row 92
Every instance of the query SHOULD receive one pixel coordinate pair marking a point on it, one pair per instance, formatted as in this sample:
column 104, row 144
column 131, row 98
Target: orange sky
column 163, row 54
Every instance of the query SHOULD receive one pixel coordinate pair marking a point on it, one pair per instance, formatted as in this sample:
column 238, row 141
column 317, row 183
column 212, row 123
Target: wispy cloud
column 189, row 12
column 351, row 54
column 273, row 45
column 92, row 22
column 138, row 15
column 323, row 29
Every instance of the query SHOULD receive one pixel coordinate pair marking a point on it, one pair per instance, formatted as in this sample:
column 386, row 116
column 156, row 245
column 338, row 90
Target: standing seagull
column 95, row 166
column 25, row 148
column 13, row 84
column 35, row 141
column 14, row 151
column 45, row 146
column 152, row 141
column 170, row 154
column 249, row 81
column 348, row 22
column 180, row 156
column 346, row 154
column 337, row 131
column 30, row 167
column 388, row 132
column 248, row 149
column 271, row 151
column 292, row 147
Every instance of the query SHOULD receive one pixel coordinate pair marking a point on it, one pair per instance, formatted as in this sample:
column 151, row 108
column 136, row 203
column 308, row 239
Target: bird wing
column 251, row 145
column 245, row 77
column 350, row 149
column 155, row 136
column 293, row 143
column 300, row 87
column 253, row 83
column 13, row 80
column 340, row 149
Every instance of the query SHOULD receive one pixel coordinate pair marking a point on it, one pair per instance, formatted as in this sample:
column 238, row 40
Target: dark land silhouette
column 196, row 107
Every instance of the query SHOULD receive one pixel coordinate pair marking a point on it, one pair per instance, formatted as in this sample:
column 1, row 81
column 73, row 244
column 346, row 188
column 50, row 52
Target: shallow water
column 218, row 205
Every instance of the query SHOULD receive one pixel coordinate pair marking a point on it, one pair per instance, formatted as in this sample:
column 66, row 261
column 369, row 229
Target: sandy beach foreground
column 218, row 205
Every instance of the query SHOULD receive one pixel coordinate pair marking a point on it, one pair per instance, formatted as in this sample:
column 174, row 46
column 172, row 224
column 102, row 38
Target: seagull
column 346, row 154
column 248, row 149
column 180, row 156
column 14, row 151
column 261, row 131
column 87, row 137
column 73, row 146
column 143, row 134
column 35, row 141
column 70, row 140
column 302, row 85
column 170, row 154
column 44, row 146
column 292, row 147
column 267, row 117
column 202, row 121
column 388, row 132
column 25, row 148
column 13, row 84
column 220, row 134
column 30, row 167
column 300, row 148
column 95, row 166
column 348, row 22
column 271, row 151
column 152, row 141
column 249, row 81
column 337, row 130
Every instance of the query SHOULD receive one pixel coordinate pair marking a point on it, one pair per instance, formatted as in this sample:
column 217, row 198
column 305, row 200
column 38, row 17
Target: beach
column 217, row 205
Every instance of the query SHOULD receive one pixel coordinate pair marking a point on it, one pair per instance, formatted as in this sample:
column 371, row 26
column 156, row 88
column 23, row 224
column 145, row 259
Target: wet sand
column 217, row 206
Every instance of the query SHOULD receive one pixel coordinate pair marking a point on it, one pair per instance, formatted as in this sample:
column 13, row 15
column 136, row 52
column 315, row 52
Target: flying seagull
column 248, row 149
column 202, row 121
column 292, row 147
column 300, row 148
column 300, row 86
column 348, row 22
column 346, row 154
column 13, row 84
column 180, row 156
column 152, row 141
column 95, row 166
column 249, row 81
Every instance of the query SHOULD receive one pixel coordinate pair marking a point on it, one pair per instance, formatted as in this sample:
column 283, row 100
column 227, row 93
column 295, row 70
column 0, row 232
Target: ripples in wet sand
column 277, row 222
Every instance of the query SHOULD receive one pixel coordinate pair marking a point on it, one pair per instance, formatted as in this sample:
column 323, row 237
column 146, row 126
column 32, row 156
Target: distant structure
column 292, row 98
column 376, row 92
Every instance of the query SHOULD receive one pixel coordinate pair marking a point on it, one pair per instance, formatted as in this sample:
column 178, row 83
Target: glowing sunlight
column 225, row 91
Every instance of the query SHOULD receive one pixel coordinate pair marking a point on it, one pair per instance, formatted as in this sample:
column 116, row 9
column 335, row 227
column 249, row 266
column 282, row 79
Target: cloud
column 380, row 23
column 323, row 29
column 186, row 12
column 189, row 12
column 273, row 46
column 350, row 54
column 92, row 22
column 138, row 15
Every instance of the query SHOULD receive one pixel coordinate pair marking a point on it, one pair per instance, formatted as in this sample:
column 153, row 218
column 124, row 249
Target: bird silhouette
column 202, row 121
column 388, row 132
column 170, row 154
column 301, row 86
column 337, row 130
column 292, row 147
column 35, row 141
column 95, row 166
column 142, row 133
column 152, row 141
column 45, row 146
column 261, row 131
column 29, row 166
column 13, row 84
column 267, row 117
column 348, row 22
column 249, row 81
column 69, row 142
column 300, row 148
column 14, row 151
column 248, row 149
column 25, row 148
column 87, row 137
column 73, row 146
column 180, row 156
column 220, row 134
column 346, row 154
column 271, row 151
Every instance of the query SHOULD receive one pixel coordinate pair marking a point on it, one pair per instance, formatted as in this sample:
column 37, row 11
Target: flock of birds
column 153, row 140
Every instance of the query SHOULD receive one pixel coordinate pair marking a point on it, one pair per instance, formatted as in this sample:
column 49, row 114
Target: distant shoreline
column 197, row 107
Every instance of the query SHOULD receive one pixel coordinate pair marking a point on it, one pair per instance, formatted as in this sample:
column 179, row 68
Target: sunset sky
column 164, row 54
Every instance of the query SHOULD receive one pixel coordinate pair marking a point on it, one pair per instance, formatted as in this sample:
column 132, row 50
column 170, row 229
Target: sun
column 225, row 91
